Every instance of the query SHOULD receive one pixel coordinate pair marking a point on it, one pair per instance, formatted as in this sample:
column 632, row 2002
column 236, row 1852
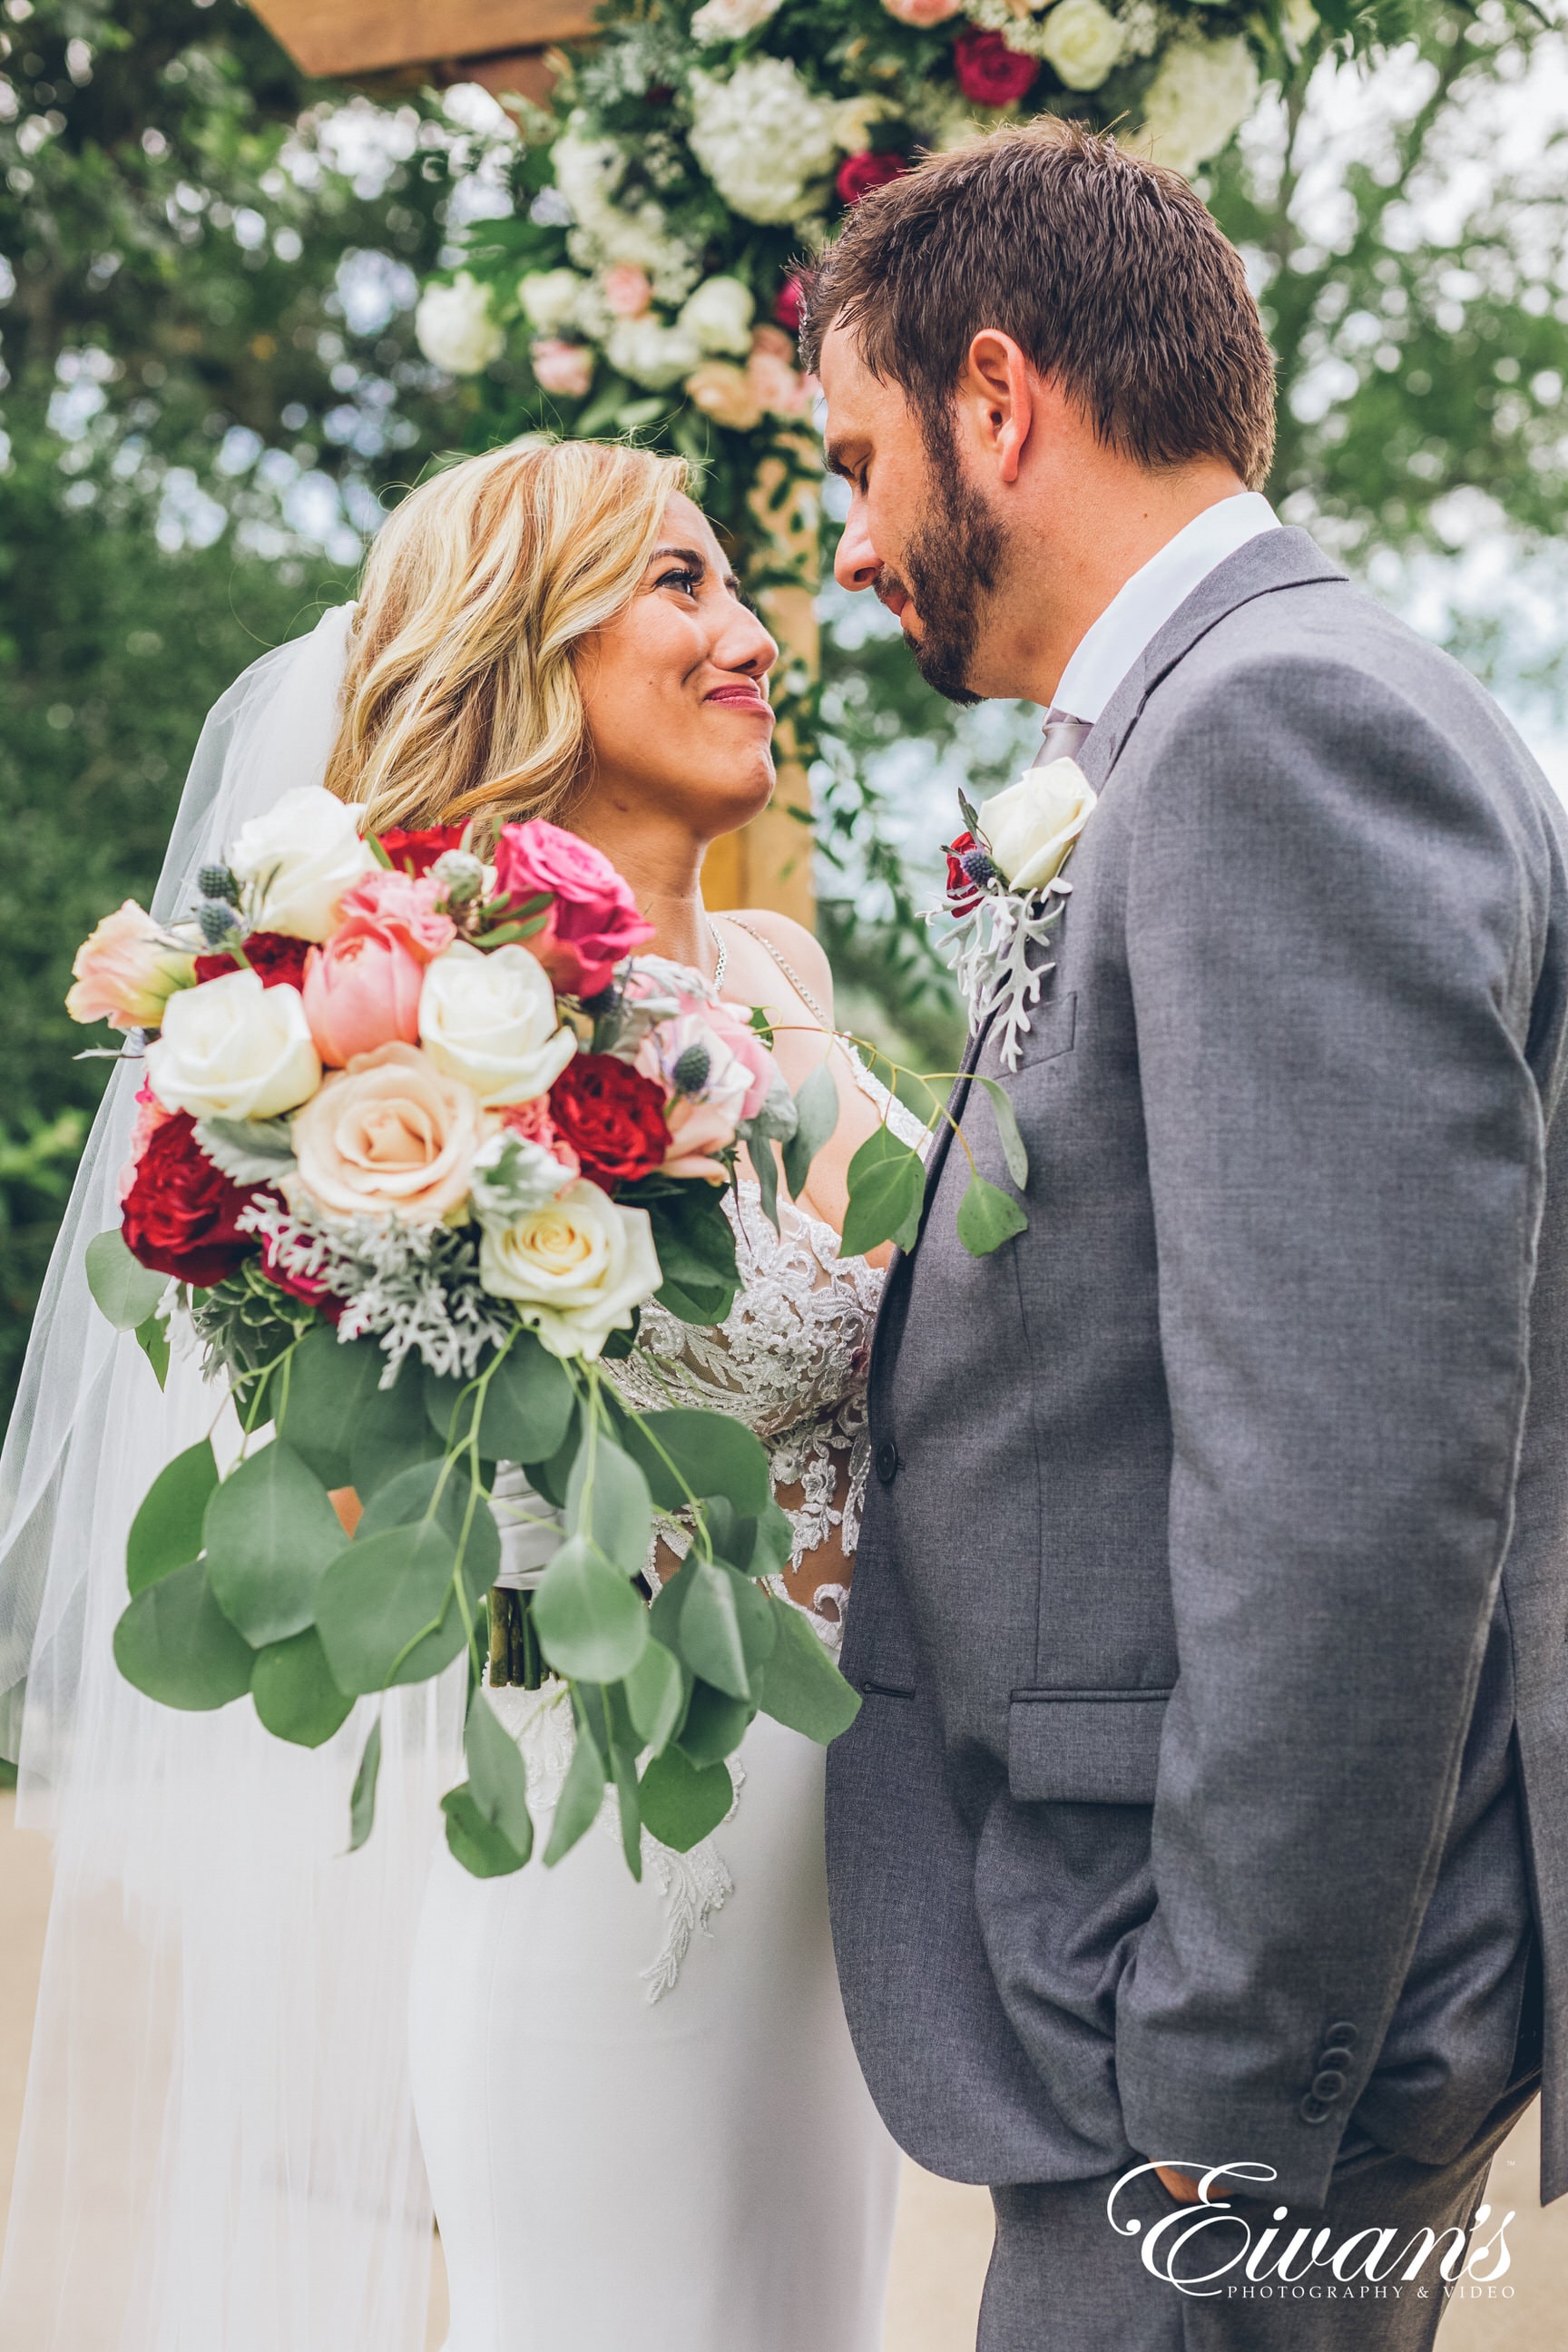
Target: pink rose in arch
column 922, row 12
column 595, row 922
column 564, row 370
column 626, row 290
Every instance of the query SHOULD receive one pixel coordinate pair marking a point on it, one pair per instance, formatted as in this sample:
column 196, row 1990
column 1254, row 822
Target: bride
column 638, row 2112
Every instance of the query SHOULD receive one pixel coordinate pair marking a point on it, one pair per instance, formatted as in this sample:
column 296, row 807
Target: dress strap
column 788, row 969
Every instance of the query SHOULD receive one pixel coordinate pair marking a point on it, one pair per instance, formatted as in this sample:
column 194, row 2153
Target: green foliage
column 887, row 1187
column 271, row 1535
column 176, row 1644
column 294, row 1694
column 167, row 1530
column 122, row 1289
column 986, row 1216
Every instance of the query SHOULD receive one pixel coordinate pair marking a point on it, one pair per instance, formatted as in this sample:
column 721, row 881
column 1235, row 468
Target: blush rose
column 390, row 1136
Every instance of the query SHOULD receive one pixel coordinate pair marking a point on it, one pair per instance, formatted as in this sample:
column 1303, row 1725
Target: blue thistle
column 979, row 869
column 690, row 1072
column 218, row 921
column 217, row 882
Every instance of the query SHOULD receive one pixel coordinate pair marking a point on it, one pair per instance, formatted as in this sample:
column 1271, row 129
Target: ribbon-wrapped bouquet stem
column 418, row 1139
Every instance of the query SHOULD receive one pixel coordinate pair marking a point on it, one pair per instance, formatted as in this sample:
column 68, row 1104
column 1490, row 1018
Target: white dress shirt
column 1141, row 609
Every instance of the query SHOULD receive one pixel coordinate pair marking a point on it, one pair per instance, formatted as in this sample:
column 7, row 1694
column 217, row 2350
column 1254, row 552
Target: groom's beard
column 951, row 566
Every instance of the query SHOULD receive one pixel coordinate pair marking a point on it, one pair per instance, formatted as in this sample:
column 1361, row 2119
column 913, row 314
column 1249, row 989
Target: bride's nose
column 743, row 644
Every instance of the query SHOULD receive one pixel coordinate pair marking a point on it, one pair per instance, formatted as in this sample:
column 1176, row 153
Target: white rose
column 550, row 299
column 1082, row 41
column 575, row 1269
column 1030, row 827
column 490, row 1021
column 718, row 317
column 454, row 329
column 730, row 20
column 233, row 1049
column 852, row 120
column 1203, row 92
column 296, row 862
column 651, row 354
column 761, row 136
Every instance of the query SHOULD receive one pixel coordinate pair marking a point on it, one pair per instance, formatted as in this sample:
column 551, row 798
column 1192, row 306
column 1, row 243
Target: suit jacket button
column 1328, row 2083
column 887, row 1462
column 1313, row 2111
column 1342, row 2032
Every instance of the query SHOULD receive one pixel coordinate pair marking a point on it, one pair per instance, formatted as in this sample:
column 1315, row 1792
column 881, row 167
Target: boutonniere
column 1005, row 889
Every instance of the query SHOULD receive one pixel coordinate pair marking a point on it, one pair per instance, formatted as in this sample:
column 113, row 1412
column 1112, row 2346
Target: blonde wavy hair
column 460, row 698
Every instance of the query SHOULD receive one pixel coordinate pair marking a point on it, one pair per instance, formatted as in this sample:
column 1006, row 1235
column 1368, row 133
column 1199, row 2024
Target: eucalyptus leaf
column 270, row 1533
column 392, row 1435
column 577, row 1807
column 1013, row 1150
column 711, row 1640
column 715, row 1725
column 176, row 1644
column 292, row 1688
column 326, row 1389
column 406, row 1499
column 623, row 1754
column 765, row 1169
column 656, row 1695
column 800, row 1684
column 769, row 1544
column 549, row 1476
column 247, row 1150
column 361, row 1804
column 498, row 1776
column 688, row 1451
column 591, row 1621
column 167, row 1532
column 619, row 1514
column 987, row 1217
column 683, row 1802
column 122, row 1288
column 817, row 1116
column 152, row 1339
column 386, row 1612
column 481, row 1846
column 529, row 1405
column 886, row 1188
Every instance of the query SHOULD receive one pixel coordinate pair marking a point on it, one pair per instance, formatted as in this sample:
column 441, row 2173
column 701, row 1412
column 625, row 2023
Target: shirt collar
column 1142, row 607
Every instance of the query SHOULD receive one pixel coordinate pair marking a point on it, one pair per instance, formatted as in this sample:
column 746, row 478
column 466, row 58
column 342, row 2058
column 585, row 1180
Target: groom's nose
column 857, row 565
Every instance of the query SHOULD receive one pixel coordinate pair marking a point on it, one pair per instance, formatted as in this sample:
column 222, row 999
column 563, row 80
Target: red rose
column 415, row 852
column 278, row 957
column 962, row 893
column 858, row 174
column 308, row 1287
column 790, row 307
column 611, row 1116
column 178, row 1216
column 989, row 71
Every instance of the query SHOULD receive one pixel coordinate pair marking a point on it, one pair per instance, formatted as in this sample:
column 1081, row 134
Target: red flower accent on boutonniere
column 277, row 957
column 962, row 893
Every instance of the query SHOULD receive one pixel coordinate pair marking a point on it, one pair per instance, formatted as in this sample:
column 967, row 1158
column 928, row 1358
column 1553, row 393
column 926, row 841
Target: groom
column 1208, row 1805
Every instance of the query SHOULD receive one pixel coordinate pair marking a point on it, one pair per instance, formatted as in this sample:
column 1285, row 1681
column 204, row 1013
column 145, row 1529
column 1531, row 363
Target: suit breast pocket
column 1052, row 1032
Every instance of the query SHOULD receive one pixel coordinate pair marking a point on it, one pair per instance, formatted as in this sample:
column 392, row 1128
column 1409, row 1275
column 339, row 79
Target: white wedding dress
column 644, row 2124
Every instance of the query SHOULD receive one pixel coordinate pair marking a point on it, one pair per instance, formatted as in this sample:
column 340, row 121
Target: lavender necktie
column 1063, row 738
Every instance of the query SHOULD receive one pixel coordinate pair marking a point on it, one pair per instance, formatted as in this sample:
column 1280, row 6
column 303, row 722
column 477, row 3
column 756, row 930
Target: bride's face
column 674, row 689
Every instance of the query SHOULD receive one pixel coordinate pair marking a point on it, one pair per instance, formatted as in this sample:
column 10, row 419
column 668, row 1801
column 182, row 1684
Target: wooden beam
column 338, row 38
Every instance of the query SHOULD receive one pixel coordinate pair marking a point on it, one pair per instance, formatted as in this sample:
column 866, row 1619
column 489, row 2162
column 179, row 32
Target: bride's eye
column 682, row 577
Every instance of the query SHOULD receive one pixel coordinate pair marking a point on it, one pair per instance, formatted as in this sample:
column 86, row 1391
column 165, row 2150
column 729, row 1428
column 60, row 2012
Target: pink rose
column 774, row 383
column 593, row 923
column 127, row 971
column 715, row 1073
column 361, row 991
column 564, row 370
column 625, row 291
column 405, row 906
column 388, row 1137
column 533, row 1122
column 922, row 12
column 149, row 1115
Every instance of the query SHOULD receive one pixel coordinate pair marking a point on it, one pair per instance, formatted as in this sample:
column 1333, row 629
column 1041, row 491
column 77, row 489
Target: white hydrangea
column 649, row 353
column 1201, row 92
column 730, row 20
column 550, row 299
column 761, row 136
column 1082, row 41
column 718, row 317
column 588, row 172
column 454, row 328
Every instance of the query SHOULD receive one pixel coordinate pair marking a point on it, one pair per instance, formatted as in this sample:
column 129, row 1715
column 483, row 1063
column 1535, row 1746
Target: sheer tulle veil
column 218, row 2152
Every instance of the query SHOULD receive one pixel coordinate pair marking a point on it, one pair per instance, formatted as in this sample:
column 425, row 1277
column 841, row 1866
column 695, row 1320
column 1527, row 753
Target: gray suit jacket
column 1211, row 1599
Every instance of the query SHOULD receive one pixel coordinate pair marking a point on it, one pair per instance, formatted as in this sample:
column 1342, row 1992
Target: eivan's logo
column 1209, row 2248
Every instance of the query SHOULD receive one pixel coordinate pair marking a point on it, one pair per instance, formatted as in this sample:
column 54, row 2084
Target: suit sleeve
column 1329, row 940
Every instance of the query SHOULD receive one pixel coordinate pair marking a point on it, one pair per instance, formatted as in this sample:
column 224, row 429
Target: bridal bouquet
column 418, row 1139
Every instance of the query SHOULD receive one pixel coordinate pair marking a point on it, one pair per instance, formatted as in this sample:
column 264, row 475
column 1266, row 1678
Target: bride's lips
column 739, row 694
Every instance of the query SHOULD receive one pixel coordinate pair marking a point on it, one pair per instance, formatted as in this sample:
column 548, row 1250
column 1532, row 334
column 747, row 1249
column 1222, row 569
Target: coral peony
column 989, row 71
column 180, row 1213
column 361, row 991
column 595, row 921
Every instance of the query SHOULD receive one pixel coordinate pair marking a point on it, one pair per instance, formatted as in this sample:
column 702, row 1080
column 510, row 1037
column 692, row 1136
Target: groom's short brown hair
column 1106, row 270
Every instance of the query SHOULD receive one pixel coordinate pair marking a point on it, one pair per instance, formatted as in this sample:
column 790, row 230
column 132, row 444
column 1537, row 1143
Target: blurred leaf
column 498, row 1776
column 176, row 1644
column 361, row 1804
column 690, row 1451
column 330, row 1388
column 816, row 1117
column 167, row 1532
column 619, row 1518
column 122, row 1289
column 386, row 1612
column 270, row 1532
column 987, row 1217
column 294, row 1694
column 577, row 1808
column 481, row 1846
column 656, row 1695
column 801, row 1686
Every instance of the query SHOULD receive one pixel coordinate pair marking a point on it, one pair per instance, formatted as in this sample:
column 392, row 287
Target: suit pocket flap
column 1085, row 1747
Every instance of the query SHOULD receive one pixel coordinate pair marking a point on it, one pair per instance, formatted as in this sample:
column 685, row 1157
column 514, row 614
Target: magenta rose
column 361, row 991
column 858, row 174
column 989, row 71
column 593, row 923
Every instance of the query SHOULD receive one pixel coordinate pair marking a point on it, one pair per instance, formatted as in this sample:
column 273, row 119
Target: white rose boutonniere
column 575, row 1269
column 1004, row 889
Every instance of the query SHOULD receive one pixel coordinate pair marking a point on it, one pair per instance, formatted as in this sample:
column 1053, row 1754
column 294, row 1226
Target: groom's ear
column 997, row 397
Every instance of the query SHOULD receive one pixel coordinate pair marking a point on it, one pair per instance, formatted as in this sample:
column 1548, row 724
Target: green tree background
column 207, row 272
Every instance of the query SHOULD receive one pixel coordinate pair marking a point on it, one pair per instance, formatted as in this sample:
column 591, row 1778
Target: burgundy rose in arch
column 858, row 174
column 790, row 307
column 989, row 71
